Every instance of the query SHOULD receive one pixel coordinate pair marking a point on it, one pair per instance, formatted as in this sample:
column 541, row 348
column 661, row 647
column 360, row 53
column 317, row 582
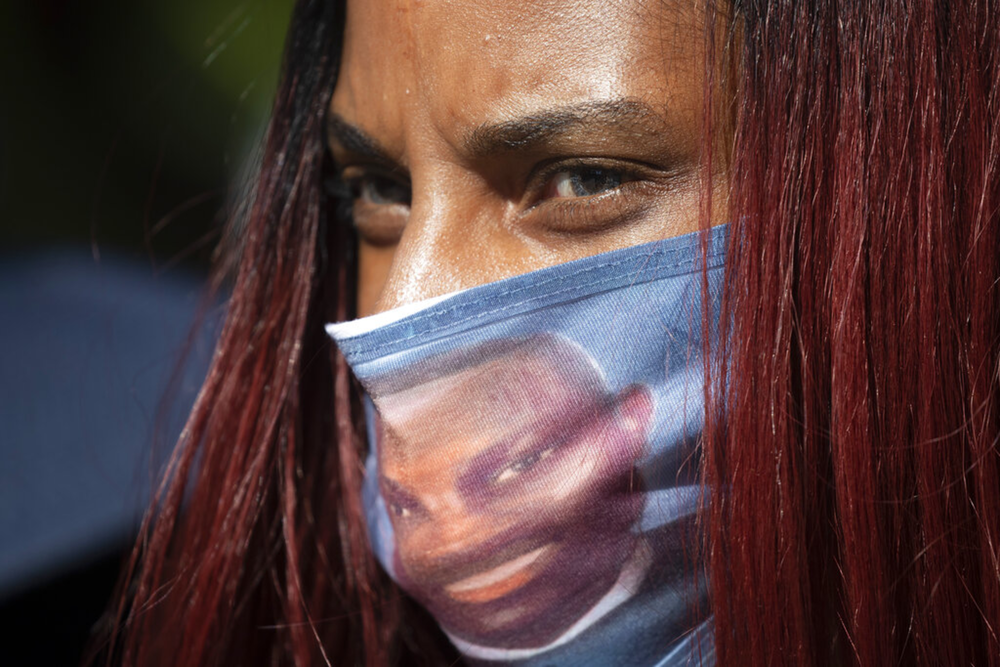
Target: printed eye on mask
column 532, row 476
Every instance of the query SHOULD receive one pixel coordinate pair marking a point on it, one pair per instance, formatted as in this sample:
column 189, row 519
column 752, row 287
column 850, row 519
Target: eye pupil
column 594, row 181
column 586, row 182
column 527, row 462
column 521, row 465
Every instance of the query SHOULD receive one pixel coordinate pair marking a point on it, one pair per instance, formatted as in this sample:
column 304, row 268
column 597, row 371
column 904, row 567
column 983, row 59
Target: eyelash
column 543, row 174
column 586, row 214
column 591, row 213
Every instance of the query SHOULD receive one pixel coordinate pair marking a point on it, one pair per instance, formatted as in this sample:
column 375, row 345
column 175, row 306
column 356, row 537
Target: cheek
column 374, row 263
column 599, row 463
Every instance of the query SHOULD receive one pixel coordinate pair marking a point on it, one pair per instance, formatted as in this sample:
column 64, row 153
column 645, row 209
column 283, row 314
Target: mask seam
column 430, row 314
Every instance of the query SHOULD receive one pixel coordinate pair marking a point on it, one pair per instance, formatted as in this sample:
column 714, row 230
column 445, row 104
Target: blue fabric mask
column 532, row 477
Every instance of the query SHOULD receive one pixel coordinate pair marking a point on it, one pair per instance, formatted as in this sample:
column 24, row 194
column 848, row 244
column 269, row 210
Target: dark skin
column 508, row 483
column 484, row 139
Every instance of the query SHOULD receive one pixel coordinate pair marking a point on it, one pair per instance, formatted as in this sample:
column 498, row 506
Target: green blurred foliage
column 123, row 124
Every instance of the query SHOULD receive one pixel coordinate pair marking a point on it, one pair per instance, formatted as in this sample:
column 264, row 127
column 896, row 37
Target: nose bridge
column 426, row 262
column 454, row 526
column 450, row 234
column 447, row 511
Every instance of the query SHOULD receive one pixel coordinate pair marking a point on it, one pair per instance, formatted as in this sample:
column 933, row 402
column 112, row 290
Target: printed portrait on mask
column 510, row 480
column 533, row 453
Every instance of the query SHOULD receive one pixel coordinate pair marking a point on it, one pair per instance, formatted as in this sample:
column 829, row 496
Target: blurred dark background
column 124, row 130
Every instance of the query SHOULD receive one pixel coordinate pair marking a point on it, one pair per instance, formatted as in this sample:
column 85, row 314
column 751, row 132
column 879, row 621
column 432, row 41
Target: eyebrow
column 536, row 129
column 353, row 140
column 519, row 134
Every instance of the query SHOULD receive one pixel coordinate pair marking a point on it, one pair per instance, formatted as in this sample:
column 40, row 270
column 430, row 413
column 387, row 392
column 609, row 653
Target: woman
column 840, row 373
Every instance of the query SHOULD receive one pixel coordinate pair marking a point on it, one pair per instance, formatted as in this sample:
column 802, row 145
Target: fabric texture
column 532, row 476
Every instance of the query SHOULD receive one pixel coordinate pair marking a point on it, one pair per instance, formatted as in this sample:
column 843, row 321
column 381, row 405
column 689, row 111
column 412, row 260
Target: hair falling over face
column 854, row 404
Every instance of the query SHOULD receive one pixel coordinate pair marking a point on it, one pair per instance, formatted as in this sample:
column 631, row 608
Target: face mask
column 532, row 478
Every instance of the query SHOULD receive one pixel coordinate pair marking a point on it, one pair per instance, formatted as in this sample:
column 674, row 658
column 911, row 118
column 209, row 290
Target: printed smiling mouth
column 500, row 580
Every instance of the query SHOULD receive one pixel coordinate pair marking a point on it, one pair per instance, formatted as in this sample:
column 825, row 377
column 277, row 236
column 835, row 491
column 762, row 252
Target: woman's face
column 512, row 491
column 486, row 138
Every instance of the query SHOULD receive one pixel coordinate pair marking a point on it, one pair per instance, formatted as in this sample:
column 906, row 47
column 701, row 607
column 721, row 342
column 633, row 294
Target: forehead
column 452, row 65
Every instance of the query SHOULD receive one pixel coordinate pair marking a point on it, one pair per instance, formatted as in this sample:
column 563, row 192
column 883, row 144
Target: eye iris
column 383, row 191
column 587, row 182
column 594, row 181
column 521, row 465
column 526, row 462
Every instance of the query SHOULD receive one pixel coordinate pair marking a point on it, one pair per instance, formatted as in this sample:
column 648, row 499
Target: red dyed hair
column 854, row 408
column 857, row 459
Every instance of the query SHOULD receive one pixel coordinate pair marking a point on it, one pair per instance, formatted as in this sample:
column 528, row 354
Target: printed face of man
column 512, row 491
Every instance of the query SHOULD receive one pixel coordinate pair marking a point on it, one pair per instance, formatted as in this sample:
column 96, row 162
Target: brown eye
column 521, row 465
column 380, row 190
column 400, row 511
column 583, row 182
column 379, row 204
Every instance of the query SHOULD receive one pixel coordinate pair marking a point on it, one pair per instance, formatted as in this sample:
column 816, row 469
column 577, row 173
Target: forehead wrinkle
column 534, row 129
